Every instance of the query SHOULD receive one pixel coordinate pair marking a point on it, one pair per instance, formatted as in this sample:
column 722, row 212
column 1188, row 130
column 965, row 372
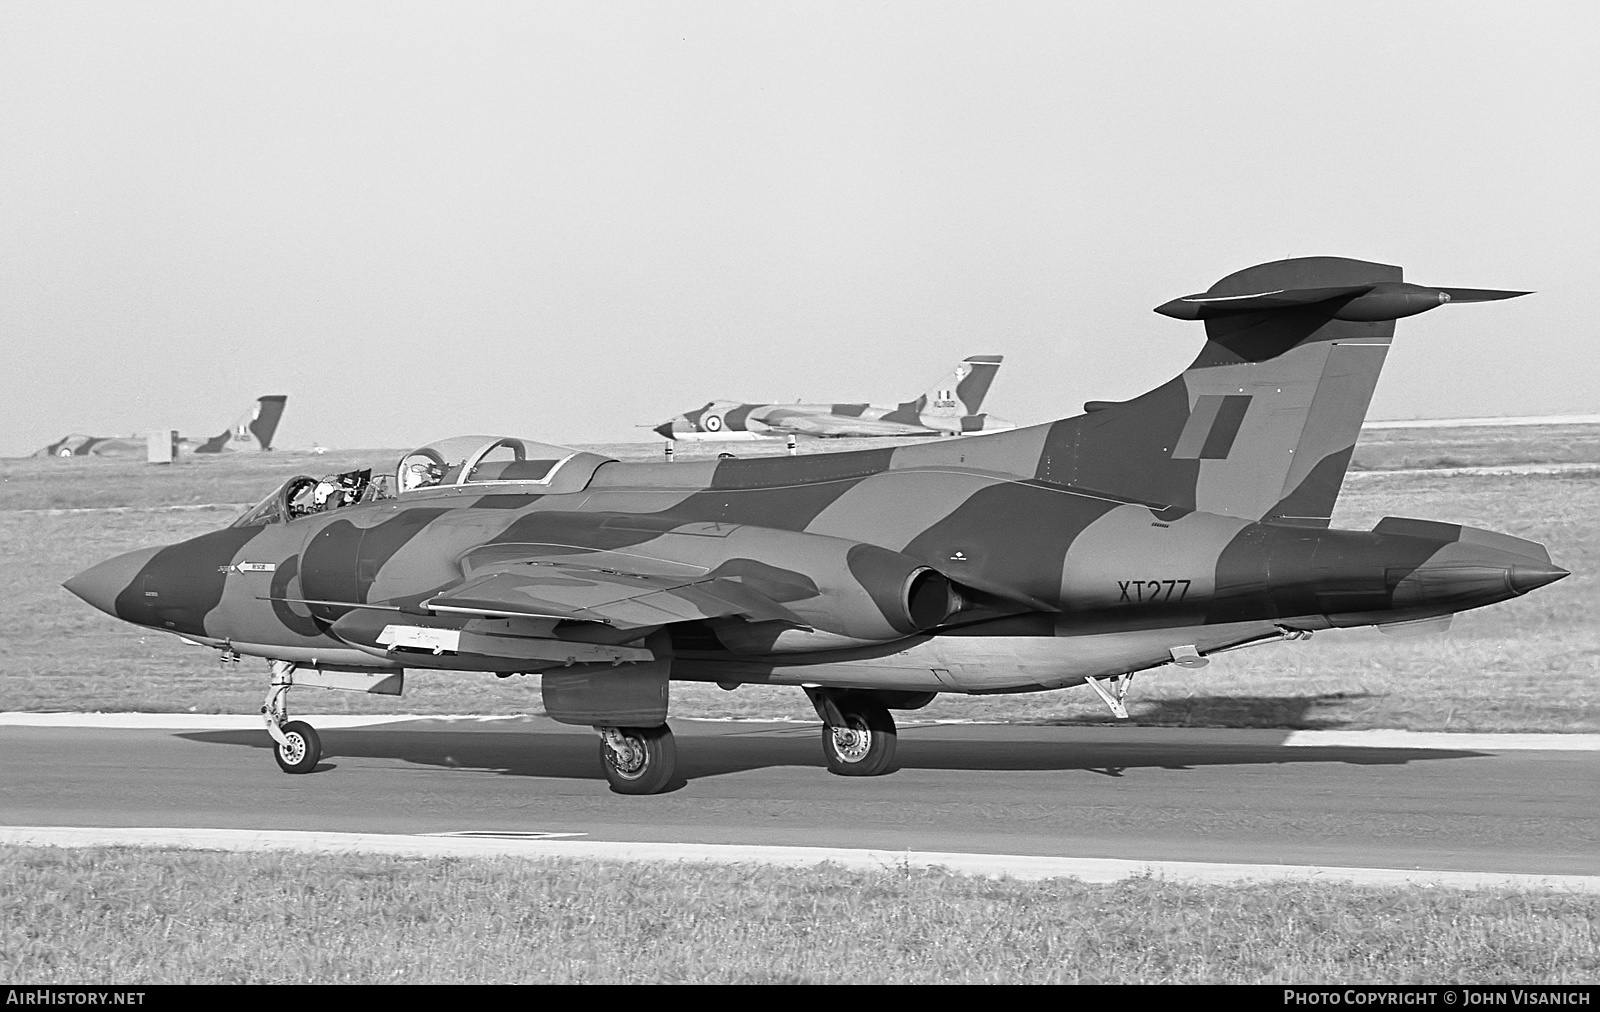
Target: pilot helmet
column 420, row 473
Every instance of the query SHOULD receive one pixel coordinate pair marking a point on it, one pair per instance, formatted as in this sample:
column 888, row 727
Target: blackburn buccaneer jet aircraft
column 253, row 431
column 1159, row 530
column 950, row 408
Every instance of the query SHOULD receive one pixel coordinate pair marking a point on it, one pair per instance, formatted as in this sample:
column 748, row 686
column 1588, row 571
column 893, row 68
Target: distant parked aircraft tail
column 961, row 391
column 957, row 396
column 253, row 430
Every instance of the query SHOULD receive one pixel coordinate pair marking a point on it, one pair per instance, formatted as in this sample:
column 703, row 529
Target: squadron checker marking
column 1188, row 520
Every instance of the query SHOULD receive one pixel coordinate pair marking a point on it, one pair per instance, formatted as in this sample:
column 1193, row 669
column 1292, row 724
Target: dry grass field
column 1527, row 665
column 1400, row 449
column 129, row 917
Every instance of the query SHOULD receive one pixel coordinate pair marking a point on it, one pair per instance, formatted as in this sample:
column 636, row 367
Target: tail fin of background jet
column 962, row 389
column 958, row 394
column 253, row 430
column 1263, row 424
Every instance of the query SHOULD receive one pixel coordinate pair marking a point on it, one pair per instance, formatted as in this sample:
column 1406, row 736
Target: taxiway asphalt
column 1240, row 797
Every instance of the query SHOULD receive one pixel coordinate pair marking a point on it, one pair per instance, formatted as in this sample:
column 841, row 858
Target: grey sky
column 561, row 221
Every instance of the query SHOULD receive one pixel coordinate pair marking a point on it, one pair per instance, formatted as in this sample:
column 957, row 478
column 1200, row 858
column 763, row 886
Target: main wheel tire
column 303, row 750
column 864, row 745
column 651, row 764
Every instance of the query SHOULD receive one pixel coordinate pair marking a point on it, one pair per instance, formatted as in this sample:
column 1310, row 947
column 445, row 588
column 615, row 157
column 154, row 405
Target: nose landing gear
column 297, row 747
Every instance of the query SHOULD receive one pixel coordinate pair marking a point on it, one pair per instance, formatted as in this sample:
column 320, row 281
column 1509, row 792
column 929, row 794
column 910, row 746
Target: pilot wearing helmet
column 345, row 489
column 335, row 491
column 418, row 471
column 320, row 496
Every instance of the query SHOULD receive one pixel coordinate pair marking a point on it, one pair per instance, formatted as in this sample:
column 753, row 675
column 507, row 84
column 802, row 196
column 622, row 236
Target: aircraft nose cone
column 665, row 429
column 100, row 585
column 1532, row 576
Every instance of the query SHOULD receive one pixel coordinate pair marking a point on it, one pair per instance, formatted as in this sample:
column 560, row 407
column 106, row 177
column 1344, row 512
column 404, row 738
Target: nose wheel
column 296, row 745
column 300, row 749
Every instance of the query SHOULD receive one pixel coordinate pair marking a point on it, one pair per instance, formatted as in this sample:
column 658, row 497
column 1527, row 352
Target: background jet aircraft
column 253, row 431
column 1191, row 519
column 950, row 407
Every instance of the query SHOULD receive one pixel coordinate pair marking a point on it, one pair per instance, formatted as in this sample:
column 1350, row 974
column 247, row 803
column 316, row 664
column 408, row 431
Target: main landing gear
column 296, row 745
column 638, row 760
column 858, row 733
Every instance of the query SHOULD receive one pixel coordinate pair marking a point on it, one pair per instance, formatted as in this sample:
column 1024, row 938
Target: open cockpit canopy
column 485, row 460
column 457, row 463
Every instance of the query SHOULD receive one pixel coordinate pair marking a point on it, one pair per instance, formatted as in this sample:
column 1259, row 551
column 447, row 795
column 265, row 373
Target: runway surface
column 1121, row 793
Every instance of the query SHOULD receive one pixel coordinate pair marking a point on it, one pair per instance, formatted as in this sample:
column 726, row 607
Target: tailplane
column 1263, row 424
column 253, row 431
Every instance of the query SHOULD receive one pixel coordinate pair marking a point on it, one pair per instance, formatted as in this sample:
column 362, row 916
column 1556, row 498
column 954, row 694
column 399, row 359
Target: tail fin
column 254, row 429
column 264, row 421
column 1263, row 424
column 959, row 394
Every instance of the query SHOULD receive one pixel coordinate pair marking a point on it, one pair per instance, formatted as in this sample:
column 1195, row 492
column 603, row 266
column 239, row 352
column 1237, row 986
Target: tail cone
column 1532, row 576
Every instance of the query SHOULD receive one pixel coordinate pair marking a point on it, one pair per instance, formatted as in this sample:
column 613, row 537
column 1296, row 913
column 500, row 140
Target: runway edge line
column 1016, row 866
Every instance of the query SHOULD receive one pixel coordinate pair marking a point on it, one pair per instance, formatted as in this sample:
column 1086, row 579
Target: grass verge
column 130, row 916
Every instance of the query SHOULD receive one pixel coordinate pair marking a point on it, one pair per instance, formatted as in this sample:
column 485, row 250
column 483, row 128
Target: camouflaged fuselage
column 1053, row 584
